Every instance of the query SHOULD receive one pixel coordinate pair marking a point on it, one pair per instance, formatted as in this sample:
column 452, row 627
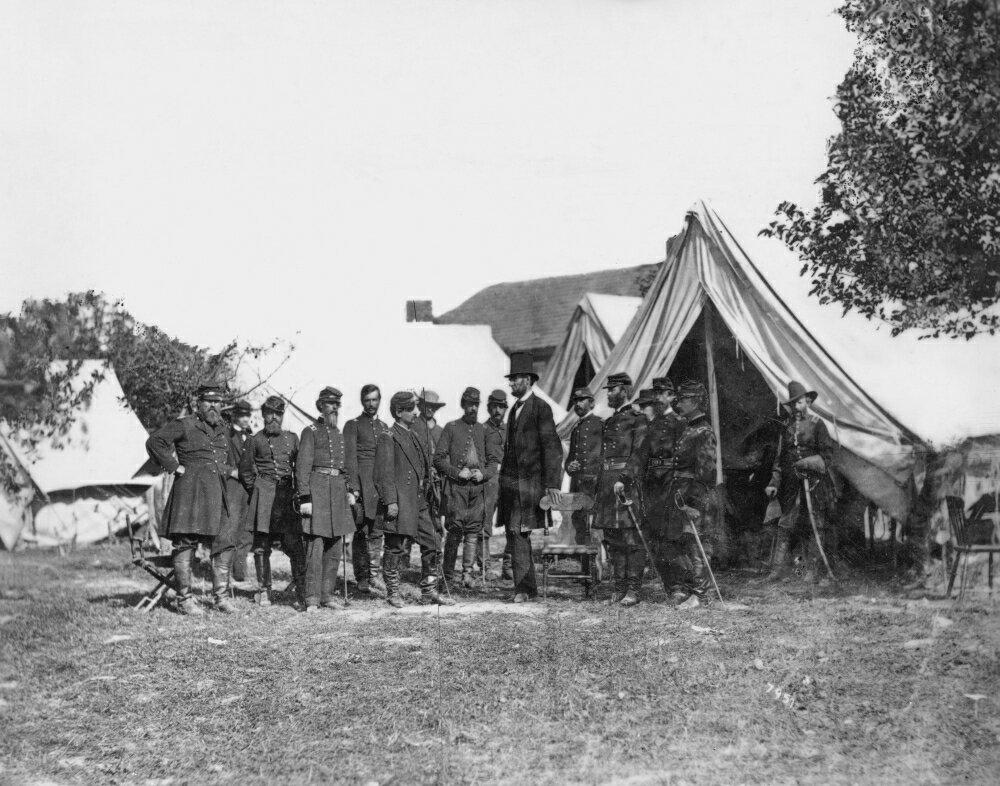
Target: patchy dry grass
column 857, row 686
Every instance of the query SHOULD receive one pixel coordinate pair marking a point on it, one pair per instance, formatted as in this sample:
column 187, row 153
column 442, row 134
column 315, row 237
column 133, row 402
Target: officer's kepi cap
column 497, row 397
column 470, row 395
column 618, row 379
column 273, row 404
column 330, row 394
column 239, row 409
column 661, row 384
column 581, row 393
column 209, row 393
column 647, row 396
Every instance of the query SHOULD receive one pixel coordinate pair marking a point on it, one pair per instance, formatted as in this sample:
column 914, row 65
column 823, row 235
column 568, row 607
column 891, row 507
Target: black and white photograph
column 585, row 392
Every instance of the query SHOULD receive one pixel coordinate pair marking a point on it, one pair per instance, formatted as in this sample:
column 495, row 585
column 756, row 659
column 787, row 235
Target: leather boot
column 507, row 569
column 186, row 604
column 297, row 561
column 390, row 574
column 452, row 541
column 262, row 566
column 635, row 566
column 619, row 562
column 374, row 547
column 361, row 560
column 221, row 566
column 699, row 576
column 429, row 594
column 778, row 567
column 469, row 549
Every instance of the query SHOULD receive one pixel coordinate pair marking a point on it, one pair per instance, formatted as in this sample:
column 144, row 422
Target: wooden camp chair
column 586, row 553
column 967, row 543
column 160, row 566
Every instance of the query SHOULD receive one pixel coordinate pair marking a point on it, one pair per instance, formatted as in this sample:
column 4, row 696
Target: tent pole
column 713, row 391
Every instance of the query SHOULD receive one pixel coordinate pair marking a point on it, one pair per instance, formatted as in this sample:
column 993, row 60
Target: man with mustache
column 267, row 469
column 194, row 449
column 238, row 432
column 360, row 436
column 583, row 461
column 496, row 441
column 325, row 500
column 402, row 474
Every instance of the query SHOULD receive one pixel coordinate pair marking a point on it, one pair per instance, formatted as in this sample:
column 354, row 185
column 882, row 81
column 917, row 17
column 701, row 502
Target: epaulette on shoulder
column 312, row 426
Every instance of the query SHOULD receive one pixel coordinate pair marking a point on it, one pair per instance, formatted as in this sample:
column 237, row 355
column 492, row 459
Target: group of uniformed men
column 650, row 466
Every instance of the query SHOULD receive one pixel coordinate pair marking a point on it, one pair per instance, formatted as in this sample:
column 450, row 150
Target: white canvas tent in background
column 84, row 481
column 405, row 356
column 596, row 325
column 881, row 438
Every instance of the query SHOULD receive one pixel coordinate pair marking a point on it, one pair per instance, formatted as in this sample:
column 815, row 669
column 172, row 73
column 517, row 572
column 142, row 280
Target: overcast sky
column 256, row 168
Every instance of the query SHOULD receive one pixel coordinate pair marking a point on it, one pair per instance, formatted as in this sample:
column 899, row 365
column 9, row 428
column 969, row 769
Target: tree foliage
column 907, row 229
column 158, row 373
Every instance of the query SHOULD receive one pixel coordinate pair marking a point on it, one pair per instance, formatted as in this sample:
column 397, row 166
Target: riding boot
column 429, row 592
column 507, row 567
column 469, row 548
column 452, row 541
column 221, row 566
column 699, row 575
column 778, row 567
column 619, row 562
column 361, row 560
column 390, row 573
column 634, row 567
column 297, row 560
column 331, row 567
column 374, row 547
column 186, row 604
column 262, row 566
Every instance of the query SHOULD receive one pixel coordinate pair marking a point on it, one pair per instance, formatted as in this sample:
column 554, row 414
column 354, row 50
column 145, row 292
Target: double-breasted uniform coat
column 360, row 435
column 267, row 469
column 322, row 479
column 401, row 476
column 584, row 448
column 622, row 434
column 197, row 504
column 803, row 438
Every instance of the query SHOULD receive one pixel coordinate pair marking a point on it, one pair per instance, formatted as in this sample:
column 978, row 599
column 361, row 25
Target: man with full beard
column 360, row 436
column 584, row 459
column 496, row 441
column 194, row 448
column 238, row 433
column 267, row 469
column 325, row 500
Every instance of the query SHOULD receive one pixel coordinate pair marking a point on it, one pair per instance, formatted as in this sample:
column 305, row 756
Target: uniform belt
column 328, row 471
column 685, row 475
column 281, row 481
column 615, row 463
column 661, row 462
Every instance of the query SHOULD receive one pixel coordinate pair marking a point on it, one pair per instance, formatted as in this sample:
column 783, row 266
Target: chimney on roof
column 419, row 311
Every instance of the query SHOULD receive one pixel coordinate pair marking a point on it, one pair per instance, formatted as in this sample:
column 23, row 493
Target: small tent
column 596, row 325
column 83, row 483
column 711, row 315
column 405, row 356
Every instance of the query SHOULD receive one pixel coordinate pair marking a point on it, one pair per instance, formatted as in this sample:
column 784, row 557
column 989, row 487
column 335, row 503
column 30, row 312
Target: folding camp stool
column 160, row 566
column 586, row 553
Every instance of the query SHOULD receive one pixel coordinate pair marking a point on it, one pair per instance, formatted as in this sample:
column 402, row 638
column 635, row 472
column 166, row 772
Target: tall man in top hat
column 496, row 440
column 583, row 463
column 360, row 436
column 461, row 458
column 532, row 465
column 401, row 476
column 805, row 456
column 267, row 471
column 675, row 465
column 194, row 449
column 325, row 500
column 238, row 432
column 623, row 432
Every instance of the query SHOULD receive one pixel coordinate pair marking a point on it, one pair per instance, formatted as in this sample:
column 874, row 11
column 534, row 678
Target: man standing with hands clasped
column 532, row 466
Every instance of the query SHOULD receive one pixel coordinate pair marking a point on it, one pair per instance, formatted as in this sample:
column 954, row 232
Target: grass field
column 852, row 686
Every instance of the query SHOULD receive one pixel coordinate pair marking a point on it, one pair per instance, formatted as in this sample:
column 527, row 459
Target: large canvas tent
column 596, row 325
column 710, row 312
column 80, row 484
column 405, row 356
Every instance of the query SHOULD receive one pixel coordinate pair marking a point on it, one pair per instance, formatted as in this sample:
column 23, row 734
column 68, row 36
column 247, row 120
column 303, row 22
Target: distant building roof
column 527, row 315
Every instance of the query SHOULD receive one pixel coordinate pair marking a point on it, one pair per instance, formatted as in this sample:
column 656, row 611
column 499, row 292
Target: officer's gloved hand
column 179, row 471
column 619, row 487
column 477, row 476
column 306, row 509
column 352, row 500
column 235, row 474
column 392, row 511
column 465, row 474
column 771, row 492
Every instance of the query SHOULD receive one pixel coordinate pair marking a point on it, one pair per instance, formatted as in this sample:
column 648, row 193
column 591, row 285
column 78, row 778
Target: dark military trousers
column 628, row 556
column 366, row 551
column 291, row 544
column 322, row 565
column 182, row 559
column 463, row 523
column 522, row 562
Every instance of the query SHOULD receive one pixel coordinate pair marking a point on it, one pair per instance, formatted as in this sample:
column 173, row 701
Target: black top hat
column 662, row 383
column 470, row 395
column 209, row 393
column 797, row 390
column 497, row 397
column 329, row 394
column 618, row 379
column 274, row 404
column 522, row 364
column 581, row 393
column 239, row 409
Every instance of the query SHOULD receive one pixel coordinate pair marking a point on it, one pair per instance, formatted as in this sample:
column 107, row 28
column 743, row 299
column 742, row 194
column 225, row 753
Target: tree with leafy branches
column 907, row 229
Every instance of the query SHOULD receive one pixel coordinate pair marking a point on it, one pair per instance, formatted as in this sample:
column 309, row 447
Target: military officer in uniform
column 238, row 432
column 401, row 475
column 194, row 448
column 677, row 485
column 647, row 403
column 360, row 436
column 805, row 455
column 496, row 437
column 663, row 388
column 583, row 462
column 325, row 500
column 531, row 467
column 267, row 471
column 462, row 460
column 623, row 432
